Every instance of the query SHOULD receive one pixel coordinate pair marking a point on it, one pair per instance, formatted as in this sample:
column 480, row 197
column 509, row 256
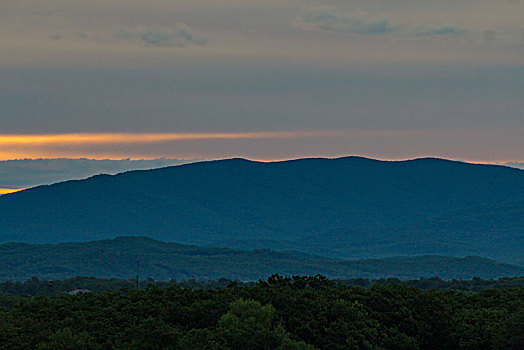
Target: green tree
column 249, row 325
column 65, row 339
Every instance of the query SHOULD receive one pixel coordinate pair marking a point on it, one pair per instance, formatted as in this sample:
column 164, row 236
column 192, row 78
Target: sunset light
column 116, row 138
column 481, row 145
column 9, row 190
column 236, row 174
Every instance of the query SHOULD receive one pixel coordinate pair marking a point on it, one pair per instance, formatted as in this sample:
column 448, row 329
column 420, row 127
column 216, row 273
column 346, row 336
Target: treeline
column 280, row 313
column 475, row 284
column 36, row 286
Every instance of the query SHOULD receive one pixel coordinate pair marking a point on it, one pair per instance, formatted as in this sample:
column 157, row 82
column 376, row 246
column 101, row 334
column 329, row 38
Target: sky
column 265, row 79
column 25, row 173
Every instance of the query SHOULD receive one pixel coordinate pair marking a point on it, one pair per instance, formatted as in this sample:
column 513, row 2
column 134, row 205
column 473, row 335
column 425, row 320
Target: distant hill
column 348, row 207
column 24, row 173
column 160, row 260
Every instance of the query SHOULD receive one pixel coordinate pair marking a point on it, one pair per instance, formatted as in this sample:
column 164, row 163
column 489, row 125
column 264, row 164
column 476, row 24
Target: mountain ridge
column 363, row 205
column 167, row 260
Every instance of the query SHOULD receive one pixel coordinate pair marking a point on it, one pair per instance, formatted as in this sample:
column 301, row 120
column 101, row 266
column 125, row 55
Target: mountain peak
column 344, row 207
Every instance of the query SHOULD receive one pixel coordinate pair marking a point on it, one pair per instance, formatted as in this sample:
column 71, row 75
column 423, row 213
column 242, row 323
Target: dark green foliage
column 280, row 313
column 474, row 285
column 12, row 292
column 165, row 261
column 249, row 325
column 345, row 208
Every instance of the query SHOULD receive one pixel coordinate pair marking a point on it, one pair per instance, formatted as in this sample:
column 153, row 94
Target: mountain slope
column 118, row 257
column 346, row 207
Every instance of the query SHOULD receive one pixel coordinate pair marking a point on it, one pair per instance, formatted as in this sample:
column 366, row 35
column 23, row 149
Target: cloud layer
column 106, row 32
column 327, row 19
column 379, row 69
column 181, row 35
column 330, row 20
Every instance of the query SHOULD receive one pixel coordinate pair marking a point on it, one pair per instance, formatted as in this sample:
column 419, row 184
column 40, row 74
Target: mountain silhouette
column 160, row 260
column 349, row 207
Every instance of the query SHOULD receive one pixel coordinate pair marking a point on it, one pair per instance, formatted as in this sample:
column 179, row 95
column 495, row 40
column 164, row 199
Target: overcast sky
column 265, row 79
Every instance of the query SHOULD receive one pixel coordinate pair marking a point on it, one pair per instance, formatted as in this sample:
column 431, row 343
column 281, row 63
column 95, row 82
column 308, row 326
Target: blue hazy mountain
column 161, row 260
column 24, row 173
column 348, row 207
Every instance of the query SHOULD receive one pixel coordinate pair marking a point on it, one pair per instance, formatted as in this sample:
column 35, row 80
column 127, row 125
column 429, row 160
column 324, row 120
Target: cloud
column 179, row 36
column 518, row 165
column 445, row 30
column 326, row 19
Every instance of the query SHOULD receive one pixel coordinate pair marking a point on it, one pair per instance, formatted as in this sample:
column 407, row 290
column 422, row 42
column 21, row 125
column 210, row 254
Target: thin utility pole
column 137, row 267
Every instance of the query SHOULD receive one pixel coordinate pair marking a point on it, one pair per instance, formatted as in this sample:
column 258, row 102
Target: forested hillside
column 347, row 207
column 161, row 260
column 280, row 313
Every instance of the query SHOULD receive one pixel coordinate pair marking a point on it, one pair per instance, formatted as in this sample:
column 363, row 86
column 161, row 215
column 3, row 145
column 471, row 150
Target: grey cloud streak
column 444, row 30
column 181, row 35
column 329, row 19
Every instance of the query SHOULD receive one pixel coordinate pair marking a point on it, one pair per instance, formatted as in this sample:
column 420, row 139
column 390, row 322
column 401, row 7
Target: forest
column 168, row 260
column 277, row 313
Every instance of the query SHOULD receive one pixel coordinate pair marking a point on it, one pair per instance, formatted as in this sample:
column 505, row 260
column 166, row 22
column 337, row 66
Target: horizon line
column 269, row 160
column 154, row 145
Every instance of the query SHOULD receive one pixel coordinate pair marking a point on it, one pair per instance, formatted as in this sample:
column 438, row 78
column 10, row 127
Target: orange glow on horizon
column 151, row 145
column 130, row 138
column 9, row 190
column 77, row 145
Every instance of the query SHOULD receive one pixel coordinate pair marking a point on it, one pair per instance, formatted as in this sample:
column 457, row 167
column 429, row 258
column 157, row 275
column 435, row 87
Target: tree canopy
column 278, row 313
